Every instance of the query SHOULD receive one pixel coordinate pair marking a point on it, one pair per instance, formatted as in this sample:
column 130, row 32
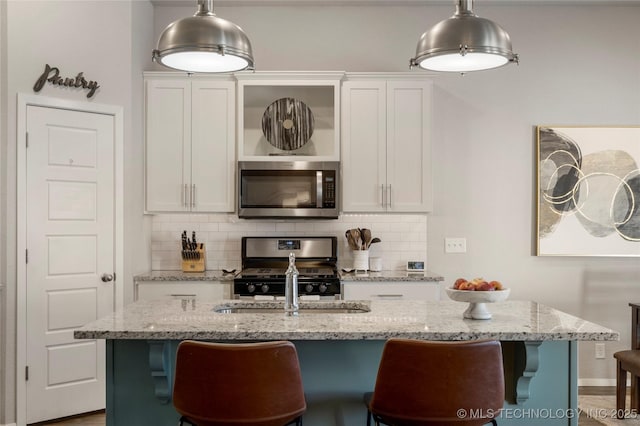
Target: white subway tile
column 403, row 236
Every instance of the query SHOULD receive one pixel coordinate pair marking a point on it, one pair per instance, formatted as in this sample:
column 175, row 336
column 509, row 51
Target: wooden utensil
column 355, row 234
column 352, row 244
column 366, row 238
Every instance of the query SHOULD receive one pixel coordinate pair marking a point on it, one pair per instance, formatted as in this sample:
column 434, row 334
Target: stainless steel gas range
column 265, row 260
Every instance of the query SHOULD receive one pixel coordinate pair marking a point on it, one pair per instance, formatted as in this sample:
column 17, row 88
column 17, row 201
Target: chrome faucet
column 291, row 287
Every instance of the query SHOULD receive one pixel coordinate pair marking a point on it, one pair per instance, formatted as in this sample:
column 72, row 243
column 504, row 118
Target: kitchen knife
column 184, row 245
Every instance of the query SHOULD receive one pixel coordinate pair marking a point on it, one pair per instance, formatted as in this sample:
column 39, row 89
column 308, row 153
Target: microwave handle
column 319, row 189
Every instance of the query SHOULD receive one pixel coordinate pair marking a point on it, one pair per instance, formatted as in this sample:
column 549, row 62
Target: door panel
column 363, row 146
column 213, row 146
column 81, row 355
column 408, row 146
column 168, row 145
column 70, row 241
column 72, row 201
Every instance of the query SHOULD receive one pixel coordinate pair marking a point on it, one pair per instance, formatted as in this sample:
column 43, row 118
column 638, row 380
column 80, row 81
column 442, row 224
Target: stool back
column 424, row 382
column 244, row 383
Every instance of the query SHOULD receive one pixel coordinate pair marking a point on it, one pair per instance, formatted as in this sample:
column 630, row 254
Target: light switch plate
column 455, row 245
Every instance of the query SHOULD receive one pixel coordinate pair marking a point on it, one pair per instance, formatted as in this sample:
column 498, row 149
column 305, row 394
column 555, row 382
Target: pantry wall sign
column 52, row 76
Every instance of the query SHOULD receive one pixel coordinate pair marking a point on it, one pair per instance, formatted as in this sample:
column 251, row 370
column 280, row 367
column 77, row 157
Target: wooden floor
column 99, row 419
column 594, row 390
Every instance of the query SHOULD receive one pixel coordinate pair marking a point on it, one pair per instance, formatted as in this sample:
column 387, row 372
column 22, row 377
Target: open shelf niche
column 320, row 92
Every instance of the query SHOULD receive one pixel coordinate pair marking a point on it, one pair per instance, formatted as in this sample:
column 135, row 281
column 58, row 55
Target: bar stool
column 437, row 383
column 628, row 361
column 252, row 384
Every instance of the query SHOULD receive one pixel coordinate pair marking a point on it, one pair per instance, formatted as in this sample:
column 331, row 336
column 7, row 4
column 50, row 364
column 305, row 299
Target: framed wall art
column 588, row 191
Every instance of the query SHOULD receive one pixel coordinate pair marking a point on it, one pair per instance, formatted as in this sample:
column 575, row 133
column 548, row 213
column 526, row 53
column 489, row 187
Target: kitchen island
column 339, row 352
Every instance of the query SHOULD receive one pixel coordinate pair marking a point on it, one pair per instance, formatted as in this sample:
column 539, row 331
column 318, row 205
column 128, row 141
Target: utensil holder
column 361, row 260
column 193, row 260
column 375, row 264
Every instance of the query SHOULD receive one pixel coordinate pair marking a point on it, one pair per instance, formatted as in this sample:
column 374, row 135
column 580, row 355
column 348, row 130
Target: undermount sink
column 305, row 308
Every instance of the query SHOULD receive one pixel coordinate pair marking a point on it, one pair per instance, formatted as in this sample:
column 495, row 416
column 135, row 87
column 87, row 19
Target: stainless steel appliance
column 281, row 189
column 265, row 260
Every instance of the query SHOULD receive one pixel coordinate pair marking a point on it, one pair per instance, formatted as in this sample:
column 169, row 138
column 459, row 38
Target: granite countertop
column 399, row 276
column 214, row 275
column 191, row 319
column 217, row 275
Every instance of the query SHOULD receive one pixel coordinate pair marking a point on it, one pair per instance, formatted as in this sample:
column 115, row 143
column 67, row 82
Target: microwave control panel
column 329, row 189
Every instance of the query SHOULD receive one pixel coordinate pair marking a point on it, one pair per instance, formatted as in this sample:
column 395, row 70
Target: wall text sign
column 52, row 75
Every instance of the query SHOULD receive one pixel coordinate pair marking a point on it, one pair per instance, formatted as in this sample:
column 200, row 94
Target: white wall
column 137, row 226
column 110, row 41
column 3, row 190
column 576, row 68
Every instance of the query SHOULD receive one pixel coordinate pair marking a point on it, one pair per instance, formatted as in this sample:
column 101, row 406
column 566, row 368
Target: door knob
column 107, row 277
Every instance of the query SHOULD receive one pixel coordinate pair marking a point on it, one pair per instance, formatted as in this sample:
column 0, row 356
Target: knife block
column 194, row 265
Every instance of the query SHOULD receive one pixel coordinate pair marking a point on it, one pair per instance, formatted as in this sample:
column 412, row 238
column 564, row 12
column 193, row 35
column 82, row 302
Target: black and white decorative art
column 588, row 191
column 287, row 124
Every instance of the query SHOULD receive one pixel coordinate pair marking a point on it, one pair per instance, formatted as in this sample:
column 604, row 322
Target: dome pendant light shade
column 204, row 43
column 465, row 42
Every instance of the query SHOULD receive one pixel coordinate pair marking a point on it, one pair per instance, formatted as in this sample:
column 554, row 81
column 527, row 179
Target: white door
column 70, row 243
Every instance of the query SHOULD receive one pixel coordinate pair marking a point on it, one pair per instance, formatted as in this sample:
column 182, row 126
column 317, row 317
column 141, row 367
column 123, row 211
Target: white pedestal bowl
column 478, row 301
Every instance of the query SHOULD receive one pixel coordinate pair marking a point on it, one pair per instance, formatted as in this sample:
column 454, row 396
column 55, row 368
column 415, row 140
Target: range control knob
column 251, row 288
column 322, row 288
column 308, row 288
column 265, row 288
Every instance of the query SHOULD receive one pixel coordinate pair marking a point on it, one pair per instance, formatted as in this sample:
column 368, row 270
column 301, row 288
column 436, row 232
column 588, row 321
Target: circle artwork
column 287, row 124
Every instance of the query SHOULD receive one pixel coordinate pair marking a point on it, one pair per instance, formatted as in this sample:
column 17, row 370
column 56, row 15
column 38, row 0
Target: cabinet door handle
column 382, row 194
column 185, row 196
column 383, row 296
column 193, row 195
column 389, row 197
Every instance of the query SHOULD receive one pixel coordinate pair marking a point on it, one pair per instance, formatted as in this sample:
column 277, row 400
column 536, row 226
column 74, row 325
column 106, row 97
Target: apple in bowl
column 477, row 284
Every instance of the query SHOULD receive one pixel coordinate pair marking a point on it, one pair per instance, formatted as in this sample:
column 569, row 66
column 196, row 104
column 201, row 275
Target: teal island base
column 541, row 381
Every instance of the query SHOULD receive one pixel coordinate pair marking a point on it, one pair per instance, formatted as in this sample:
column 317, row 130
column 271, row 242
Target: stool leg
column 634, row 392
column 368, row 418
column 621, row 389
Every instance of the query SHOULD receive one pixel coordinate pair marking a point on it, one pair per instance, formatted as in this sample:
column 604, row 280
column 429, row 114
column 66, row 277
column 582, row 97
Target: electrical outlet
column 455, row 245
column 600, row 352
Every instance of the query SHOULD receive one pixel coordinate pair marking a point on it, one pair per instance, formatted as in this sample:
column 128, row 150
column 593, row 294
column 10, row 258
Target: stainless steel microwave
column 288, row 189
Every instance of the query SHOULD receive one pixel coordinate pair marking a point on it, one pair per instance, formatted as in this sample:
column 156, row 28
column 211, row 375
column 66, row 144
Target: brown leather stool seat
column 252, row 384
column 627, row 362
column 431, row 383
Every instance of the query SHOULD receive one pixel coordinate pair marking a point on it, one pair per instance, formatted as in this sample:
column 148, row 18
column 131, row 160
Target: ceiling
column 390, row 2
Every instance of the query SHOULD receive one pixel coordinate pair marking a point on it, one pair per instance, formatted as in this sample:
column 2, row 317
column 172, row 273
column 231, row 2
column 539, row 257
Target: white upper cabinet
column 289, row 116
column 386, row 147
column 190, row 144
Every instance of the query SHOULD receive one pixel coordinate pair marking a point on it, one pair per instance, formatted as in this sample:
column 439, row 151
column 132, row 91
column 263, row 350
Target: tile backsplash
column 404, row 237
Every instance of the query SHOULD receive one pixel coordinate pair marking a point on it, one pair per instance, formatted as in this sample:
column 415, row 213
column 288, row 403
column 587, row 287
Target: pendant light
column 204, row 43
column 464, row 42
